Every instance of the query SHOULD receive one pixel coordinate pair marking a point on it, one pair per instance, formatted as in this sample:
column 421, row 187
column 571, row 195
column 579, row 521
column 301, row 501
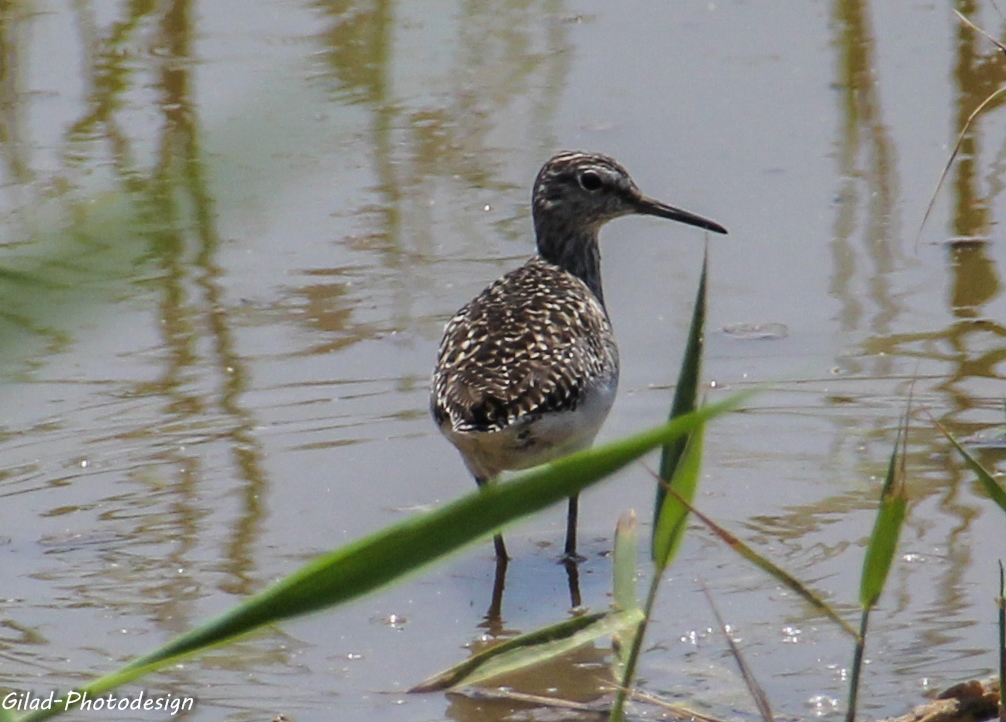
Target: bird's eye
column 590, row 181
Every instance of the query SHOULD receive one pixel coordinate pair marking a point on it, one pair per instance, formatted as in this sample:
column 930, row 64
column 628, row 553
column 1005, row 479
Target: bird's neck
column 577, row 252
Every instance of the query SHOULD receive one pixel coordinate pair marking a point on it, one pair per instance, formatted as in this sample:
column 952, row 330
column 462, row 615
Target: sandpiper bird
column 527, row 370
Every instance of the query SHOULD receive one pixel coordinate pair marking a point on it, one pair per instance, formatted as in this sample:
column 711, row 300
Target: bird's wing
column 525, row 346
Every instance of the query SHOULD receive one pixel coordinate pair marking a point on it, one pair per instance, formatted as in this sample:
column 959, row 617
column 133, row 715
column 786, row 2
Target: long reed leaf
column 680, row 461
column 978, row 29
column 992, row 487
column 886, row 529
column 673, row 520
column 687, row 390
column 374, row 561
column 532, row 648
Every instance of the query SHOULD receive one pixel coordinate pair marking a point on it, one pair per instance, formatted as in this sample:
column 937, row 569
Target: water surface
column 233, row 232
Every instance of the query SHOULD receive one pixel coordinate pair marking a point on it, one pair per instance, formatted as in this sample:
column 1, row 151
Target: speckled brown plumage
column 527, row 345
column 527, row 370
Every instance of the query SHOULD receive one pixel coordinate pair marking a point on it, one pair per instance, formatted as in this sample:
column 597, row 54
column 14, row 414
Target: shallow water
column 233, row 232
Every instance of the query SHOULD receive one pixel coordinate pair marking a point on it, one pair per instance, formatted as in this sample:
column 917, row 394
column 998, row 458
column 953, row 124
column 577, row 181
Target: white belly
column 535, row 440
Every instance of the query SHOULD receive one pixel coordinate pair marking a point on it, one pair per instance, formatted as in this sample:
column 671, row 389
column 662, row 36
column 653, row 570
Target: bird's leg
column 498, row 538
column 501, row 555
column 494, row 614
column 573, row 577
column 571, row 515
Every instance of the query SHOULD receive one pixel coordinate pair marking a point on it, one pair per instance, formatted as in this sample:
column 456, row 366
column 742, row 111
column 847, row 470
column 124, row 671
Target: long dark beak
column 651, row 207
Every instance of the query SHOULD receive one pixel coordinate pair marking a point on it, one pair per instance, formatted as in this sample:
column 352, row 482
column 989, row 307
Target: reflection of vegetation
column 976, row 279
column 969, row 348
column 506, row 57
column 977, row 75
column 12, row 69
column 867, row 159
column 81, row 248
column 358, row 47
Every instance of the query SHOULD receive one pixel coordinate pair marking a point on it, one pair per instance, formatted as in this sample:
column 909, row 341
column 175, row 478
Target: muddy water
column 232, row 233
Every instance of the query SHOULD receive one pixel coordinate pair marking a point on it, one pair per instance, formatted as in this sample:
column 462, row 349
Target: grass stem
column 857, row 666
column 624, row 689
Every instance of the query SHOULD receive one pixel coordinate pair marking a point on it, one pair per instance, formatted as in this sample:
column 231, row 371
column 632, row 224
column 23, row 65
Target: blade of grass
column 624, row 593
column 960, row 137
column 374, row 561
column 673, row 520
column 992, row 488
column 880, row 551
column 953, row 155
column 617, row 713
column 887, row 527
column 504, row 694
column 687, row 390
column 623, row 566
column 768, row 566
column 978, row 29
column 671, row 526
column 680, row 461
column 757, row 693
column 679, row 711
column 530, row 649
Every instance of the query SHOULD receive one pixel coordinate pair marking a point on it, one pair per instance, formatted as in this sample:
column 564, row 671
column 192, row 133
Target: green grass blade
column 768, row 566
column 617, row 713
column 679, row 468
column 671, row 525
column 623, row 566
column 625, row 596
column 880, row 552
column 687, row 390
column 667, row 537
column 887, row 527
column 376, row 560
column 991, row 486
column 532, row 648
